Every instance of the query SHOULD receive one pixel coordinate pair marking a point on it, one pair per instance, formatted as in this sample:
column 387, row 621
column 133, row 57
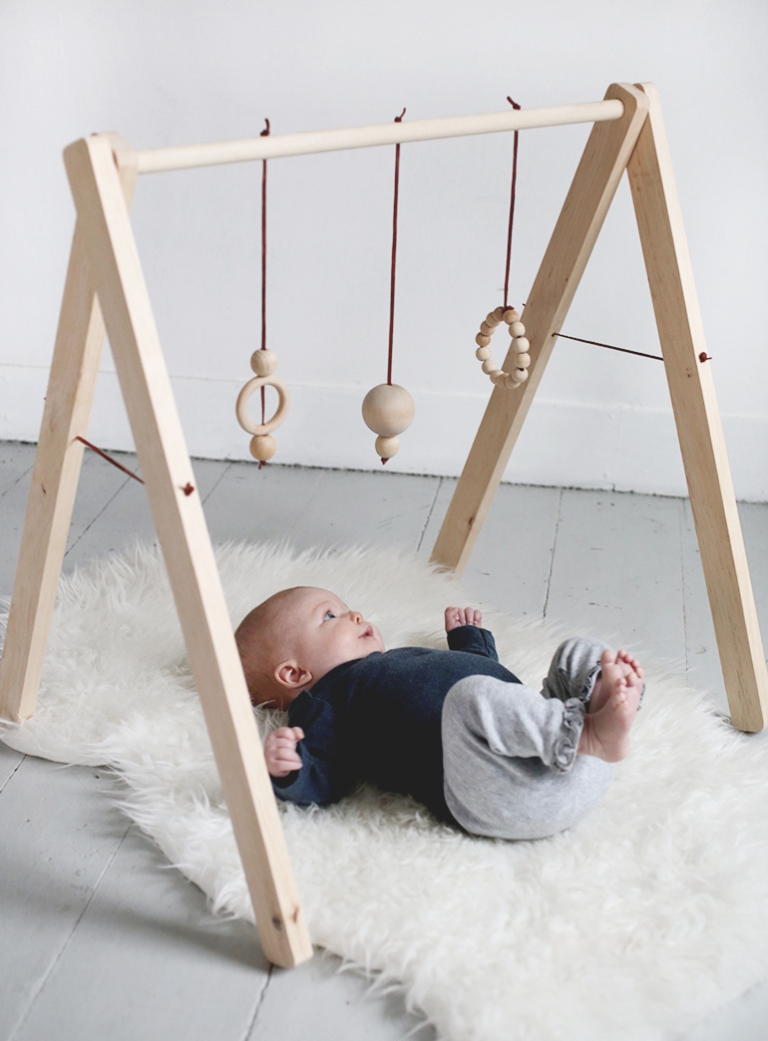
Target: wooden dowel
column 214, row 153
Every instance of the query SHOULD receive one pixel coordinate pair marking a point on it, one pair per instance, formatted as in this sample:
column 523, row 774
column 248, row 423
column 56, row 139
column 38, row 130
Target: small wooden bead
column 494, row 376
column 487, row 329
column 482, row 353
column 388, row 409
column 517, row 329
column 482, row 340
column 492, row 320
column 521, row 344
column 498, row 314
column 386, row 447
column 521, row 375
column 489, row 365
column 263, row 447
column 264, row 363
column 510, row 382
column 522, row 361
column 511, row 315
column 498, row 378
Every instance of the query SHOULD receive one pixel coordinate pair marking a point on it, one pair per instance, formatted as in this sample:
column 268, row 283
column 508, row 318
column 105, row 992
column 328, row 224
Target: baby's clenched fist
column 280, row 751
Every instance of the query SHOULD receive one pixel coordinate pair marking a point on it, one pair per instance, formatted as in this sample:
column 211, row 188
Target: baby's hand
column 456, row 616
column 280, row 751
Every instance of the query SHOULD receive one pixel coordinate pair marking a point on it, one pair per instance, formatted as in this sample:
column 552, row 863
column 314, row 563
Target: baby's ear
column 291, row 676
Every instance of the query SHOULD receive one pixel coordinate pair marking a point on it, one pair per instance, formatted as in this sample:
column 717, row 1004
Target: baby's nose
column 356, row 617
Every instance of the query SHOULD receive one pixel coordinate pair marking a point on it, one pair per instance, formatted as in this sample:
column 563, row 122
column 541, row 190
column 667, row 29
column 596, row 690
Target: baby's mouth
column 368, row 631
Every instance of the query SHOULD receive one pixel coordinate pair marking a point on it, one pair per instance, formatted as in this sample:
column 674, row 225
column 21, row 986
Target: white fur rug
column 648, row 915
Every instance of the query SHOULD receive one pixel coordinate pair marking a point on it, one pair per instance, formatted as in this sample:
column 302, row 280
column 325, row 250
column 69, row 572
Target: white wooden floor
column 99, row 940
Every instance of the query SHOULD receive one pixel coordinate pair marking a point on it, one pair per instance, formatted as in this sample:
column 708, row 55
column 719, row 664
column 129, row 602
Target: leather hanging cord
column 109, row 459
column 398, row 119
column 516, row 107
column 264, row 133
column 624, row 350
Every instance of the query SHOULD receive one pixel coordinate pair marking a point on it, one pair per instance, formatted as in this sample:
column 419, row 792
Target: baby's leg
column 510, row 760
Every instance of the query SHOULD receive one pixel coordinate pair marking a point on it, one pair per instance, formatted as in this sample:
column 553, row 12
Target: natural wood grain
column 182, row 157
column 71, row 386
column 675, row 303
column 186, row 546
column 597, row 177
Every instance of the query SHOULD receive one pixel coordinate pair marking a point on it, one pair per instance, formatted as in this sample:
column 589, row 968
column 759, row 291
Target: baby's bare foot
column 630, row 667
column 607, row 724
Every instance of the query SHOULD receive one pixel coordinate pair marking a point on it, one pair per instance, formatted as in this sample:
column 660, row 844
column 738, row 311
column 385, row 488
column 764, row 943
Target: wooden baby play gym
column 105, row 290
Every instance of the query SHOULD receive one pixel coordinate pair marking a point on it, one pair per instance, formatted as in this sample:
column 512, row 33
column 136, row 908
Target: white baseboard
column 562, row 444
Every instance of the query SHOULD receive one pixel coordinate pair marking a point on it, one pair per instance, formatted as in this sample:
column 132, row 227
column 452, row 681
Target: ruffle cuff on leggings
column 565, row 746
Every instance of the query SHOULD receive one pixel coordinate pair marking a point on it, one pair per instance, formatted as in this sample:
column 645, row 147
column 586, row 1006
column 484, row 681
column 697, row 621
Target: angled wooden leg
column 183, row 535
column 71, row 386
column 689, row 373
column 594, row 185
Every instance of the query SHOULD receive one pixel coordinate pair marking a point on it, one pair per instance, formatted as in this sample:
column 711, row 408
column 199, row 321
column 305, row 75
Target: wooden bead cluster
column 388, row 410
column 263, row 363
column 519, row 345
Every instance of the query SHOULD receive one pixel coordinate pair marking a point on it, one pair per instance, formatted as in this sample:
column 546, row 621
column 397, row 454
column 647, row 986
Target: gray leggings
column 509, row 753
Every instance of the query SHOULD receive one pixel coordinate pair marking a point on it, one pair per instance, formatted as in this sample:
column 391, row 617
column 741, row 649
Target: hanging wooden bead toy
column 263, row 361
column 519, row 344
column 388, row 408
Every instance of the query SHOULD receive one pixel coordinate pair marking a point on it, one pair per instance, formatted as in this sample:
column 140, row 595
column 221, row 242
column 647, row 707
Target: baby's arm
column 457, row 616
column 280, row 751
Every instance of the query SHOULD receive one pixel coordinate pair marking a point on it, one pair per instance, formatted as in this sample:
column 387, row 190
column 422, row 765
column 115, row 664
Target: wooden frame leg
column 605, row 157
column 68, row 401
column 699, row 429
column 183, row 535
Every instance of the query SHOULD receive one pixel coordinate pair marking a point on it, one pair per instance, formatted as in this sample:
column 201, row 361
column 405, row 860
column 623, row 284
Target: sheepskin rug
column 645, row 917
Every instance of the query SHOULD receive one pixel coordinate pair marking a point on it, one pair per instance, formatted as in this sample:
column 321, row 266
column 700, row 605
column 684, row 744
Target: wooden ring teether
column 243, row 397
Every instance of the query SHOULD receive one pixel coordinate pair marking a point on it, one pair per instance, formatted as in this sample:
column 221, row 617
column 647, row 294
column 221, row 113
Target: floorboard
column 64, row 835
column 148, row 961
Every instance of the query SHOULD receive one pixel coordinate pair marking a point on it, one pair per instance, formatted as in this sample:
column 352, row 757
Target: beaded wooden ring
column 262, row 445
column 519, row 344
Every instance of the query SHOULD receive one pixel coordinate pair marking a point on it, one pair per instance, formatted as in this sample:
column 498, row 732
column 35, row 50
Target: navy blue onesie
column 378, row 719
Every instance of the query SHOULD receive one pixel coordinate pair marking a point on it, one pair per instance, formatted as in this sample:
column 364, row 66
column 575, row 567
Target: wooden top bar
column 214, row 153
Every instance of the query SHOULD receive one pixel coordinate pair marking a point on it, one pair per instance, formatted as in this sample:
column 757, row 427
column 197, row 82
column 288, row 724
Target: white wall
column 176, row 71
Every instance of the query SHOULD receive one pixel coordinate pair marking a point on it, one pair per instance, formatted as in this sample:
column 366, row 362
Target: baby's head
column 294, row 638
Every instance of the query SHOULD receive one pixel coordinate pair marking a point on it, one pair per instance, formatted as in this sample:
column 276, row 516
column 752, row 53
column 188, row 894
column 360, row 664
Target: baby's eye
column 327, row 615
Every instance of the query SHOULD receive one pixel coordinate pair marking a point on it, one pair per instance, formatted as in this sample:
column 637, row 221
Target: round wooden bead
column 492, row 320
column 522, row 361
column 263, row 447
column 386, row 447
column 498, row 314
column 388, row 410
column 521, row 344
column 482, row 353
column 494, row 376
column 517, row 329
column 489, row 365
column 511, row 315
column 487, row 329
column 510, row 382
column 498, row 377
column 482, row 340
column 521, row 375
column 264, row 363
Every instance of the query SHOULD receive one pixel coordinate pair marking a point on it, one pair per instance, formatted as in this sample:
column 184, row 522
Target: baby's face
column 322, row 632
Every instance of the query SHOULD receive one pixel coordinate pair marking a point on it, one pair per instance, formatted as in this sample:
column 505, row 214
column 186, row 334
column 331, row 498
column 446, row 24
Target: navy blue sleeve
column 322, row 779
column 473, row 640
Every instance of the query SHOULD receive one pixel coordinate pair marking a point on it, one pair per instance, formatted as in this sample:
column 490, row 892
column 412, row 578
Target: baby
column 453, row 728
